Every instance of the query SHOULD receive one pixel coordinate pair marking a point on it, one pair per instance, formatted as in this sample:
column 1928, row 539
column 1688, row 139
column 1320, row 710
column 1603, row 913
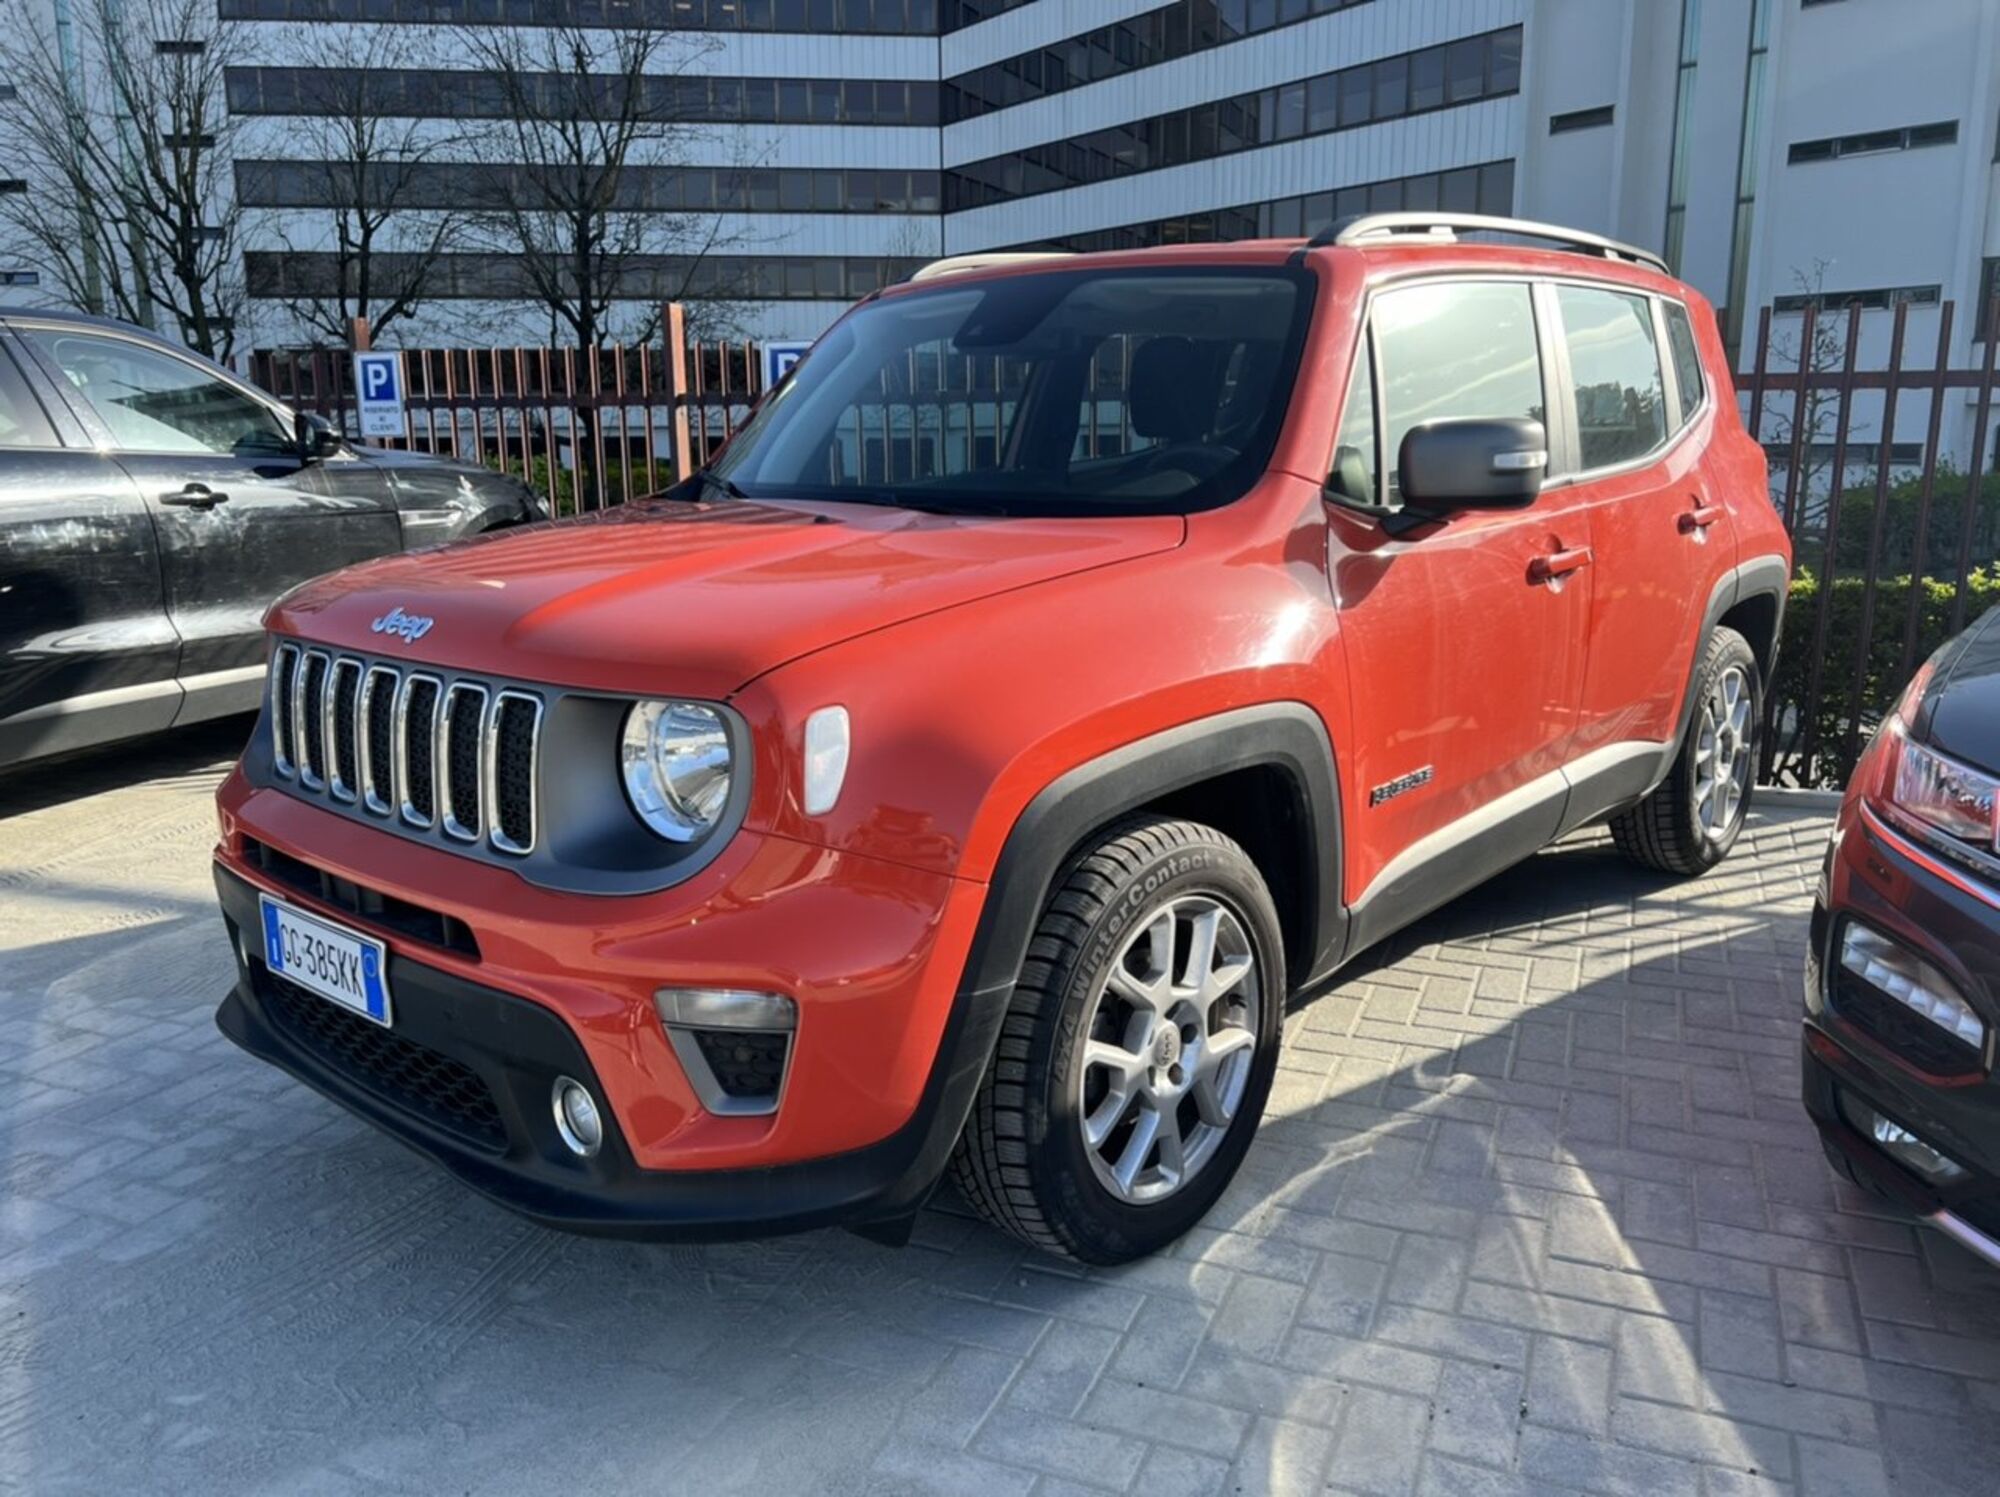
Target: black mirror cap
column 318, row 437
column 1472, row 464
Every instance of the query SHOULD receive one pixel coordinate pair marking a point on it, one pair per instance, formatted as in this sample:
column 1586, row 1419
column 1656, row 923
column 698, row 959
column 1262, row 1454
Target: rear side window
column 22, row 420
column 1614, row 370
column 1686, row 357
column 1456, row 350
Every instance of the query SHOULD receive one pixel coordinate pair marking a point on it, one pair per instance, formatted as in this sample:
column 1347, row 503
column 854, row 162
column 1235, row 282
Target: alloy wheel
column 1722, row 754
column 1168, row 1043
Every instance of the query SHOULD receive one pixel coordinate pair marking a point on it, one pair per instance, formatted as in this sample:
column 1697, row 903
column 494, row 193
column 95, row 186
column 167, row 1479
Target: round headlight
column 675, row 760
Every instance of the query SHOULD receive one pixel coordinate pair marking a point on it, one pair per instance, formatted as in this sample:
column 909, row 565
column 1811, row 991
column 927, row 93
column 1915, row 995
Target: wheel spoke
column 1203, row 931
column 1207, row 1088
column 1225, row 979
column 1105, row 1116
column 1132, row 1158
column 1114, row 1058
column 1173, row 1159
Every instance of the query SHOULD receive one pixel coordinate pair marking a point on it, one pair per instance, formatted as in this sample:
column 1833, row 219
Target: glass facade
column 639, row 189
column 1139, row 42
column 1444, row 77
column 473, row 277
column 693, row 98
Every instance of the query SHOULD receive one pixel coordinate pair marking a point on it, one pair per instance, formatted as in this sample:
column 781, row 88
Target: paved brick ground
column 1535, row 1210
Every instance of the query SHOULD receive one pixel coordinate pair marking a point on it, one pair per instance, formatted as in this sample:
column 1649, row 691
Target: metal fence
column 1878, row 466
column 587, row 428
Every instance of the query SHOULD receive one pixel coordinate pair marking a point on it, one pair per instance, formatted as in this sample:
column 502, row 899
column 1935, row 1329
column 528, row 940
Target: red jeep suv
column 1072, row 660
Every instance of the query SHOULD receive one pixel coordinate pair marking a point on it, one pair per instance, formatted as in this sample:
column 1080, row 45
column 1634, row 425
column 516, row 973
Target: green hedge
column 1882, row 678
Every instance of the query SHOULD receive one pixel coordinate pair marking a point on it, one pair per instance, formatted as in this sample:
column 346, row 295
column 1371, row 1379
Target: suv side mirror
column 317, row 436
column 1472, row 464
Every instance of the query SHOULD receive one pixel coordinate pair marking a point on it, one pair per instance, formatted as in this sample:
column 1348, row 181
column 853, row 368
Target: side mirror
column 1472, row 464
column 318, row 437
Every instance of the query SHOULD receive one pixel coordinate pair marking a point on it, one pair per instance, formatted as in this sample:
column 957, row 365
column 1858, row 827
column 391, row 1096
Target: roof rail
column 958, row 264
column 1443, row 228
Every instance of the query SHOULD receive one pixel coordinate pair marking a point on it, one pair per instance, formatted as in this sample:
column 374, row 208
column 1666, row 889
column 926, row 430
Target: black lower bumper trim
column 517, row 1049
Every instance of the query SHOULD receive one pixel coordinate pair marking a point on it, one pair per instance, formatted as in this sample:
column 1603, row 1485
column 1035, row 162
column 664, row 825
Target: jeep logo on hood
column 408, row 627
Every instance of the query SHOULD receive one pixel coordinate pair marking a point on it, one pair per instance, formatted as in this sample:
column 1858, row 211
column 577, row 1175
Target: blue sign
column 378, row 391
column 778, row 361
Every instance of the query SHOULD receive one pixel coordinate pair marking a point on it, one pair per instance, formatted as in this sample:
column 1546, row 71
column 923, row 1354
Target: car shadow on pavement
column 1535, row 1208
column 158, row 759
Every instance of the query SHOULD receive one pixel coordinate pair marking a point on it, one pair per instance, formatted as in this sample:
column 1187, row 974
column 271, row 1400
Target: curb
column 1784, row 797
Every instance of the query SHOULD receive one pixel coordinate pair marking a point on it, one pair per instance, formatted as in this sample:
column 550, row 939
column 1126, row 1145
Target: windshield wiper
column 708, row 478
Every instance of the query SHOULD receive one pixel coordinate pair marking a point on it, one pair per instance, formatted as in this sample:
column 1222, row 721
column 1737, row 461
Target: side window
column 1353, row 475
column 1614, row 370
column 1456, row 350
column 154, row 402
column 23, row 422
column 1687, row 358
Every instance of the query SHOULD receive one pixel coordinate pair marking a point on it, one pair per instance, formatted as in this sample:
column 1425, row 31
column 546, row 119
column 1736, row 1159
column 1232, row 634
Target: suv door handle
column 1558, row 564
column 1700, row 517
column 195, row 496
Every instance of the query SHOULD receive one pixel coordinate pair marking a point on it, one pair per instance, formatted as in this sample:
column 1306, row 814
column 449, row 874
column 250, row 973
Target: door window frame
column 30, row 330
column 1558, row 415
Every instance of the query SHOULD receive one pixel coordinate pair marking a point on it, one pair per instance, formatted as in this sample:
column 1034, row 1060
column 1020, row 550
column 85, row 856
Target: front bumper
column 468, row 1084
column 1876, row 875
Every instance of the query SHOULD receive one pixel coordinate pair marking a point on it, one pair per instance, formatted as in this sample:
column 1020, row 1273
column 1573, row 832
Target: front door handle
column 195, row 496
column 1698, row 519
column 1558, row 564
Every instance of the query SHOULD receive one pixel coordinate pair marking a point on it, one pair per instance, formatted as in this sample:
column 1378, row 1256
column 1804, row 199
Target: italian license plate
column 328, row 959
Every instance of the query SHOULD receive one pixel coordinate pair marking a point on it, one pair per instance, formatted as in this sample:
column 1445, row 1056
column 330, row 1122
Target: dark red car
column 1073, row 659
column 1903, row 971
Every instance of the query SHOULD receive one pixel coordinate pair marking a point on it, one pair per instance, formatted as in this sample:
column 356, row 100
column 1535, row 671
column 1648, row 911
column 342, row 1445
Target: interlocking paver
column 1535, row 1212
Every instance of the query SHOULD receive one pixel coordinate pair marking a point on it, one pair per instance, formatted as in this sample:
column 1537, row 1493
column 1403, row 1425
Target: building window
column 8, row 93
column 180, row 47
column 1175, row 30
column 1874, row 142
column 13, row 184
column 1873, row 299
column 1477, row 67
column 1679, row 160
column 1488, row 188
column 20, row 278
column 1580, row 119
column 1989, row 287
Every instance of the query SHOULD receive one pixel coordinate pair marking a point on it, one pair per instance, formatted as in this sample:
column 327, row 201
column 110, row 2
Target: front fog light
column 1898, row 972
column 577, row 1118
column 733, row 1045
column 1899, row 1143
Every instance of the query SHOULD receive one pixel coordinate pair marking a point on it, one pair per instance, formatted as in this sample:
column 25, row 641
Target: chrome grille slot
column 461, row 732
column 451, row 759
column 284, row 744
column 416, row 748
column 378, row 739
column 309, row 719
column 513, row 742
column 340, row 723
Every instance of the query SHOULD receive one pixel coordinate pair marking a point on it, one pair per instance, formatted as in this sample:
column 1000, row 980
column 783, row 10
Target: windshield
column 1059, row 392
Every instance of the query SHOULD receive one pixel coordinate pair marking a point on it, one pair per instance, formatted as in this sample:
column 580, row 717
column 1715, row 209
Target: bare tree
column 584, row 128
column 120, row 131
column 384, row 180
column 1815, row 423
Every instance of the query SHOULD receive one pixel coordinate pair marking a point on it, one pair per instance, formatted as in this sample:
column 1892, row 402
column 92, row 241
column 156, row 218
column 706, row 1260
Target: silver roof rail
column 958, row 264
column 1443, row 228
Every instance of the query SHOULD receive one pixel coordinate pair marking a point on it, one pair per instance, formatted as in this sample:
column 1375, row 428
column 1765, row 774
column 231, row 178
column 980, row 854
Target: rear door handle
column 195, row 496
column 1700, row 517
column 1558, row 564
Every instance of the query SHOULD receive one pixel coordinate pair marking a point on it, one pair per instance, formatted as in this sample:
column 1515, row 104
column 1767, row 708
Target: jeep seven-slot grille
column 451, row 755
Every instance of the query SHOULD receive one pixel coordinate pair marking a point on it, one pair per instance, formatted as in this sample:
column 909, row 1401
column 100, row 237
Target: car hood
column 1963, row 703
column 693, row 599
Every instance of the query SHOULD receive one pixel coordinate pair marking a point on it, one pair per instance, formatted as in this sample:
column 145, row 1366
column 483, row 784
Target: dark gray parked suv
column 152, row 505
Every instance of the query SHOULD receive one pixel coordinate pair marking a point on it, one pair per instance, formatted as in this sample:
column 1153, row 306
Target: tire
column 1025, row 1162
column 1681, row 826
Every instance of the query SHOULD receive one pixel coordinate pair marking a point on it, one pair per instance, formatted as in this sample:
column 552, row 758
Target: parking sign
column 378, row 392
column 778, row 361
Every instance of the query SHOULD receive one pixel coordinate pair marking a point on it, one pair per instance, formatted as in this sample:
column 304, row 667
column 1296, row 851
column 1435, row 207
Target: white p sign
column 378, row 392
